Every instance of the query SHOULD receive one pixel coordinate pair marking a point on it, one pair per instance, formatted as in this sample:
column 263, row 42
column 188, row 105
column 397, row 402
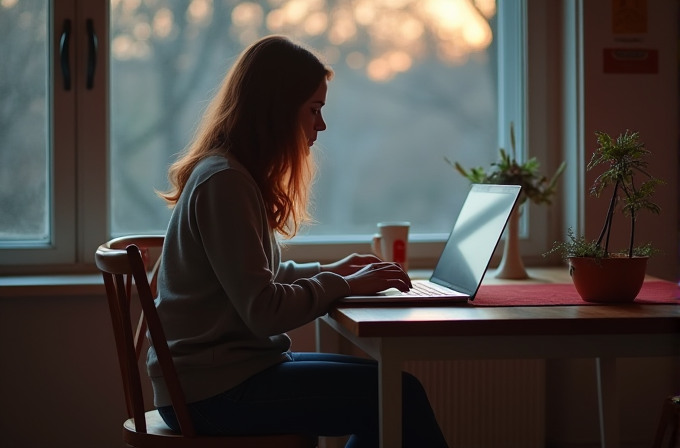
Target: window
column 37, row 144
column 26, row 100
column 416, row 81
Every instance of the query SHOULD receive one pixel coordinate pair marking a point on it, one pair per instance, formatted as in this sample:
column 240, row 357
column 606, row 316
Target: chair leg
column 668, row 424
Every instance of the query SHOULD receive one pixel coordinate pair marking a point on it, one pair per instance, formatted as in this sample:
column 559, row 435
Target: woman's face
column 310, row 113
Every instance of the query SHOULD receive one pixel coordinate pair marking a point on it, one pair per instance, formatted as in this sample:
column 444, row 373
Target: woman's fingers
column 350, row 264
column 365, row 259
column 357, row 261
column 398, row 284
column 377, row 277
column 389, row 270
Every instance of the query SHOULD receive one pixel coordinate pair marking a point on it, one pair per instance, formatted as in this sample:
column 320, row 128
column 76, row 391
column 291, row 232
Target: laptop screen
column 474, row 237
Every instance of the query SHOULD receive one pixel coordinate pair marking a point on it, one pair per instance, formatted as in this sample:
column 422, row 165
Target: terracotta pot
column 608, row 280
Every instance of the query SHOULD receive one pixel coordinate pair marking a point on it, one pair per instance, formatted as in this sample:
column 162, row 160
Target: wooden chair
column 668, row 424
column 121, row 260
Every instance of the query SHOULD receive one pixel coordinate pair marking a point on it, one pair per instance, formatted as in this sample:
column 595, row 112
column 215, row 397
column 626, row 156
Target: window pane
column 23, row 121
column 415, row 82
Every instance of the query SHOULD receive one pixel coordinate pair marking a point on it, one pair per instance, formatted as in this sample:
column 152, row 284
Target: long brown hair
column 254, row 116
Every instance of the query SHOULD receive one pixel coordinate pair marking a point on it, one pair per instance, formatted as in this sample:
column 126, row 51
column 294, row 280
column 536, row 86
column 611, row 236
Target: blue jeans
column 314, row 393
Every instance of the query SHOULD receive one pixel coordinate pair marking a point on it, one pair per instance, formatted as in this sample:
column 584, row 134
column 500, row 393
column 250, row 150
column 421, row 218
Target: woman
column 224, row 296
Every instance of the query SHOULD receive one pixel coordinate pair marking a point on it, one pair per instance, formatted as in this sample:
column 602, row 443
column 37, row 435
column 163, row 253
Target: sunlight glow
column 364, row 12
column 394, row 4
column 411, row 29
column 379, row 70
column 316, row 23
column 199, row 11
column 476, row 35
column 343, row 28
column 247, row 14
column 162, row 23
column 487, row 7
column 399, row 61
column 295, row 11
column 142, row 31
column 8, row 3
column 121, row 46
column 131, row 5
column 399, row 32
column 275, row 20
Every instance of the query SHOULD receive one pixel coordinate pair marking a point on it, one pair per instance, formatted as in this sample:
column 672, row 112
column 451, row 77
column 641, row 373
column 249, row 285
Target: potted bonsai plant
column 599, row 274
column 535, row 187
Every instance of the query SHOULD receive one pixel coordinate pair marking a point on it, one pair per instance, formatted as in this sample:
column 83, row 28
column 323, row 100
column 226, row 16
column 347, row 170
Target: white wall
column 612, row 103
column 59, row 381
column 647, row 103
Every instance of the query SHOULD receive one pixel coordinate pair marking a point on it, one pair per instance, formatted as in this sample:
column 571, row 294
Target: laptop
column 467, row 254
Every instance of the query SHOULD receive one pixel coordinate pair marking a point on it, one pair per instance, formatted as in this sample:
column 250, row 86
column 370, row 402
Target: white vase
column 511, row 266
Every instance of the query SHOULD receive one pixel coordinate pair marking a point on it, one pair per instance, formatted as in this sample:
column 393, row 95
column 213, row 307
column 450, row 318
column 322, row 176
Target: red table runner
column 652, row 292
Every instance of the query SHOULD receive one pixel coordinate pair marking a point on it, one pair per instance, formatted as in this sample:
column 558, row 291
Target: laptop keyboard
column 423, row 290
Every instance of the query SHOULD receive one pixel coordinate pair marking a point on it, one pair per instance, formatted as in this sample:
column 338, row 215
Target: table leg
column 327, row 339
column 390, row 400
column 608, row 401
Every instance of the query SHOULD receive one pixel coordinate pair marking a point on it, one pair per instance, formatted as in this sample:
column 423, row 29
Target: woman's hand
column 377, row 277
column 350, row 264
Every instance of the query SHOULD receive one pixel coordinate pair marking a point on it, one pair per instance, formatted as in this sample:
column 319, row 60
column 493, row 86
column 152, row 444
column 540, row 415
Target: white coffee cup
column 391, row 242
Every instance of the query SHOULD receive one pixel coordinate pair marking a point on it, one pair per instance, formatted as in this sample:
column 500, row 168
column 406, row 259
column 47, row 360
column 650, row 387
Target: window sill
column 51, row 285
column 73, row 285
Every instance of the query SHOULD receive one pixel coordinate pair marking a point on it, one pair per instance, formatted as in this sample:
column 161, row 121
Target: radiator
column 486, row 403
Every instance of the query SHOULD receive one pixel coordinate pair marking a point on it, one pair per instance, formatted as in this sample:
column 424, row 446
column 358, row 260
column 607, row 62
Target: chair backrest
column 121, row 260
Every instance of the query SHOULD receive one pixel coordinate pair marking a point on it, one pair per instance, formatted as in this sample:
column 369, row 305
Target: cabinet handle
column 64, row 54
column 91, row 53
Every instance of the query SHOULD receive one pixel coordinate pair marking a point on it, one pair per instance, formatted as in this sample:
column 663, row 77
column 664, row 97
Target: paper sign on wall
column 630, row 60
column 629, row 16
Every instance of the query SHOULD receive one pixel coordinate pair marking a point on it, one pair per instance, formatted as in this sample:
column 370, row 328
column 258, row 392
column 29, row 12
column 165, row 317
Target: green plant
column 507, row 171
column 623, row 158
column 576, row 247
